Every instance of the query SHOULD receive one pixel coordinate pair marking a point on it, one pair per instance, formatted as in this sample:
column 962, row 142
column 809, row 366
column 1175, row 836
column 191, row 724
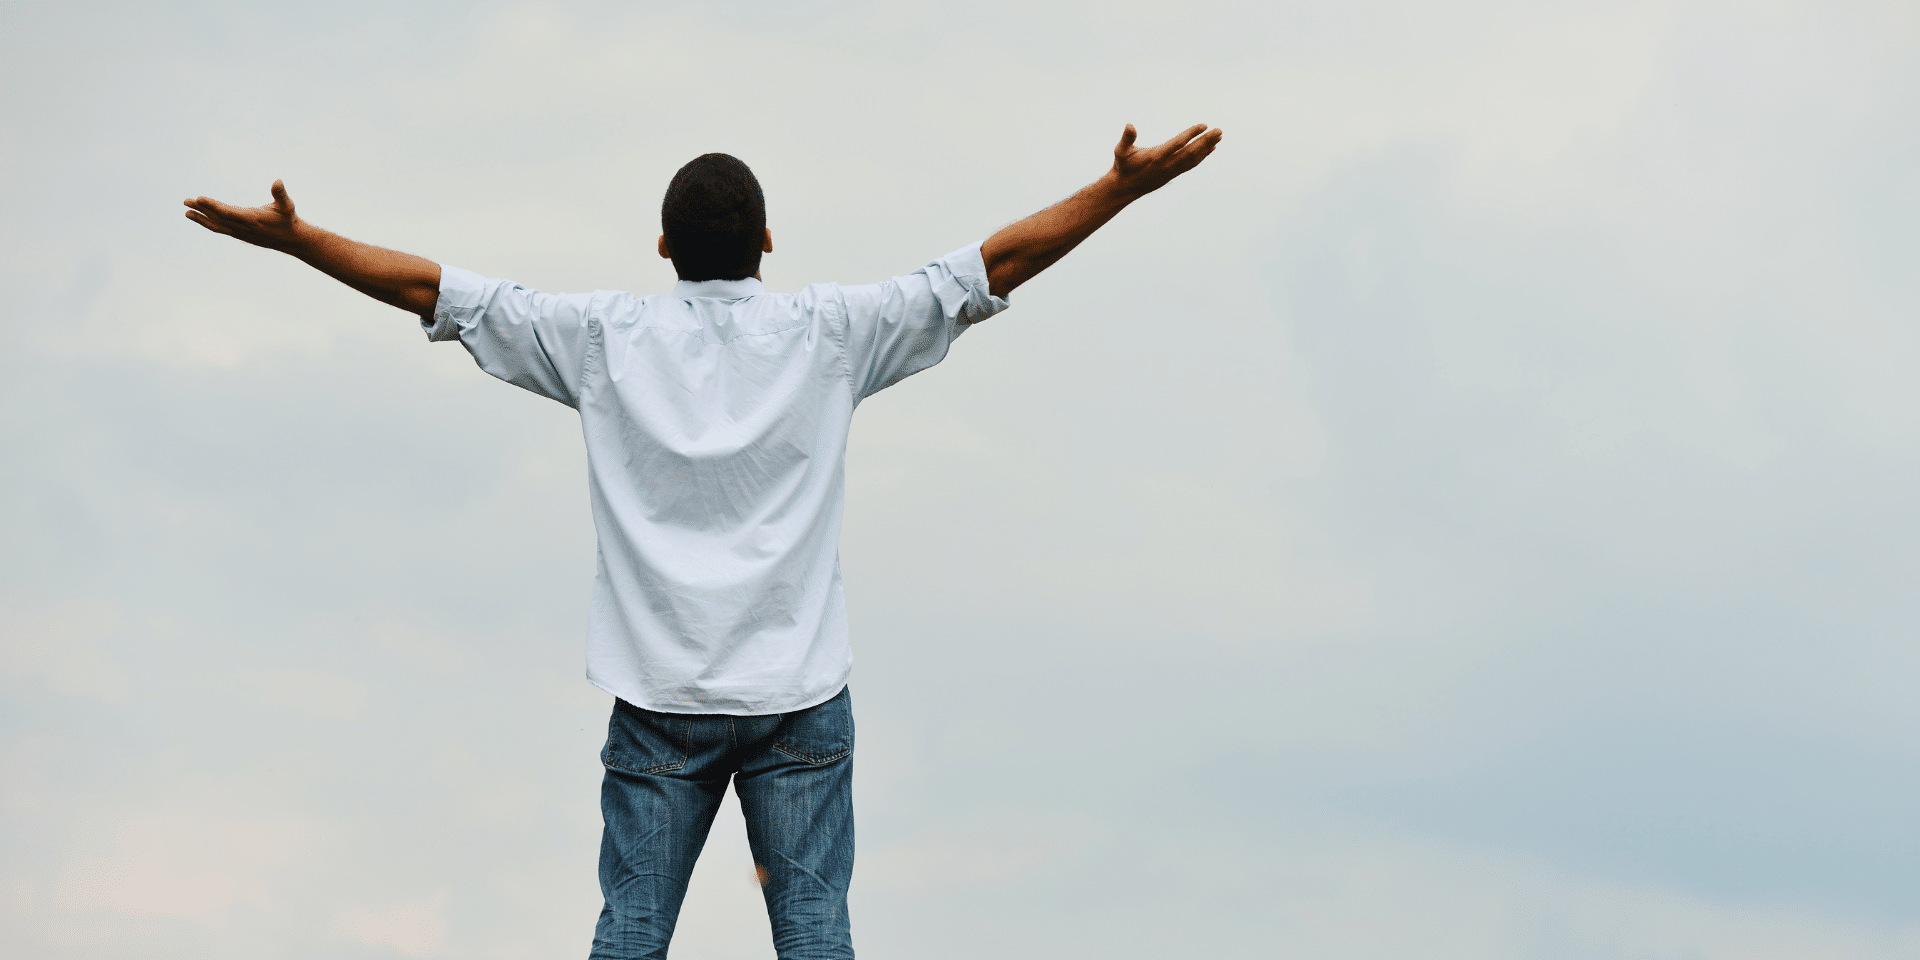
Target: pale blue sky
column 1471, row 516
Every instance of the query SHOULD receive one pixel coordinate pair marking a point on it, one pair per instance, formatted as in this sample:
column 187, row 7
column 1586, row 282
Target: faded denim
column 665, row 776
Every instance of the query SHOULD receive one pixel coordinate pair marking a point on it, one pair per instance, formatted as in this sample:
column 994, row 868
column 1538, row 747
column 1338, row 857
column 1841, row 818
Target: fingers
column 1180, row 139
column 272, row 225
column 282, row 205
column 219, row 217
column 212, row 207
column 1196, row 150
column 201, row 219
column 200, row 209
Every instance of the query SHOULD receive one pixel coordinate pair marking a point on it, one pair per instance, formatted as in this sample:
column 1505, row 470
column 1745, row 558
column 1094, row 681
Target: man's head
column 714, row 220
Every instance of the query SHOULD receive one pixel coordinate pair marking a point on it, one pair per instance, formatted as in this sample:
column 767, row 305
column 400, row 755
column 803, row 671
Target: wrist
column 1116, row 189
column 302, row 237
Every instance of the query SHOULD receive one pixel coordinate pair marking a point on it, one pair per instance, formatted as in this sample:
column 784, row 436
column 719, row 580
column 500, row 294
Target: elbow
column 1005, row 275
column 423, row 295
column 421, row 301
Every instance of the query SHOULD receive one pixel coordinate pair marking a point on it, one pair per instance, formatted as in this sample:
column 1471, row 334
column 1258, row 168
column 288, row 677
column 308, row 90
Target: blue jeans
column 666, row 774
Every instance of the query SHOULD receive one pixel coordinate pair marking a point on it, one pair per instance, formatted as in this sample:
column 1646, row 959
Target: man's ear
column 764, row 248
column 666, row 252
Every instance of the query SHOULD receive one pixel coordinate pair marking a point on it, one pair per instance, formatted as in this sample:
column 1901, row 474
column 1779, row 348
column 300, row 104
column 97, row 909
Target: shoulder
column 819, row 296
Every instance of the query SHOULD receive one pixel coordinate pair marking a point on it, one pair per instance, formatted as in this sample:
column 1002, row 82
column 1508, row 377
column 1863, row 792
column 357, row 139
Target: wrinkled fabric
column 716, row 421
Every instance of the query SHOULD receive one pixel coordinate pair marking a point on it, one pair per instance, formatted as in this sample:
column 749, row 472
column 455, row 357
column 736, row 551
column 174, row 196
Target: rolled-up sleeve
column 537, row 341
column 900, row 327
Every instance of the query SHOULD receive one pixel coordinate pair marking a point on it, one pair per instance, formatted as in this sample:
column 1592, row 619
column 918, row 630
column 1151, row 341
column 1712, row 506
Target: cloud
column 318, row 692
column 415, row 929
column 198, row 862
column 58, row 646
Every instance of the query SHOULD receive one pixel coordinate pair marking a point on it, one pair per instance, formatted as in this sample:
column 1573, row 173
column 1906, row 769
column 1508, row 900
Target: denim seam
column 818, row 760
column 608, row 757
column 814, row 761
column 609, row 760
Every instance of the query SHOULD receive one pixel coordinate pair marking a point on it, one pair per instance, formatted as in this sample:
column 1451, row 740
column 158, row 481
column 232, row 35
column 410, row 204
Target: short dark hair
column 715, row 219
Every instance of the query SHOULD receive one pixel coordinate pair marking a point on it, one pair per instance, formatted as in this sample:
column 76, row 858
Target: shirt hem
column 685, row 709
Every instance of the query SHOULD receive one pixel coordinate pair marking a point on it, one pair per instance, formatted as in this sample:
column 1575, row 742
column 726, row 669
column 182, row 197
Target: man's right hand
column 401, row 279
column 274, row 226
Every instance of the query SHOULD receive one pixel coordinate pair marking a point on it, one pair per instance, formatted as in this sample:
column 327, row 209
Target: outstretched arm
column 1019, row 252
column 389, row 276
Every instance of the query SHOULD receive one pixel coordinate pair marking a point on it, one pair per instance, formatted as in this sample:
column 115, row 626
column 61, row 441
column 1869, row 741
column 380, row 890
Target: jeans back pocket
column 643, row 741
column 819, row 734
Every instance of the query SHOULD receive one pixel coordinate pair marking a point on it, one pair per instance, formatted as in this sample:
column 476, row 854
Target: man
column 716, row 421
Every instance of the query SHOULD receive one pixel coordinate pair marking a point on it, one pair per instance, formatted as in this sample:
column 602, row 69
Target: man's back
column 716, row 422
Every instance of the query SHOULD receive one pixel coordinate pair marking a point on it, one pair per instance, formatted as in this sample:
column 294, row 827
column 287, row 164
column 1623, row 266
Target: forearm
column 389, row 276
column 1019, row 251
column 1015, row 254
column 403, row 280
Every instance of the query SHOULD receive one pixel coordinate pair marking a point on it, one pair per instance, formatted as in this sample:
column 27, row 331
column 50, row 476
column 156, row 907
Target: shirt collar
column 718, row 289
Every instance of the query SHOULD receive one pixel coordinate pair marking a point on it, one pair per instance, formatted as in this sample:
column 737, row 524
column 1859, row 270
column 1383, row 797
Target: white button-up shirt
column 716, row 422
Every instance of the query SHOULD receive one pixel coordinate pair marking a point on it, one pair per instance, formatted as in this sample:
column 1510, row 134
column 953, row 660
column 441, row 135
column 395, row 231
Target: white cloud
column 59, row 646
column 196, row 861
column 417, row 928
column 320, row 692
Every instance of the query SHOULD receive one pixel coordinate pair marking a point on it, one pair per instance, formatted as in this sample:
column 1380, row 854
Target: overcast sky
column 1473, row 515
